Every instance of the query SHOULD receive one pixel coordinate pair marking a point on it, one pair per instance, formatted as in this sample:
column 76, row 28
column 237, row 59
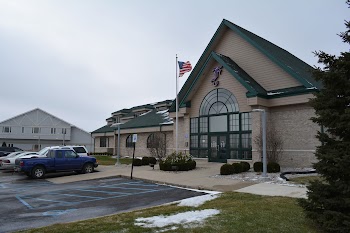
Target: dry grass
column 108, row 160
column 238, row 213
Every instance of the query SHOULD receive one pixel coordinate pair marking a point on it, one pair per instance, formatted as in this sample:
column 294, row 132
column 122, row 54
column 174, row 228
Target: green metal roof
column 149, row 119
column 298, row 69
column 104, row 129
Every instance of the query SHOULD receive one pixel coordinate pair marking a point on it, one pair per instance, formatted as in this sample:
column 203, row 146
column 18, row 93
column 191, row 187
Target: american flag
column 184, row 67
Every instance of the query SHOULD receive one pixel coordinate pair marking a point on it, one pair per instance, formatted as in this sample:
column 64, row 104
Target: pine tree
column 328, row 201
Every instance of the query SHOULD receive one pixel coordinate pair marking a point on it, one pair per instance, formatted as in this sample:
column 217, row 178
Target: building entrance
column 218, row 148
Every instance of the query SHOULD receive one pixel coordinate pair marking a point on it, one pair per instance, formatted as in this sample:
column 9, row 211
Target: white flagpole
column 177, row 107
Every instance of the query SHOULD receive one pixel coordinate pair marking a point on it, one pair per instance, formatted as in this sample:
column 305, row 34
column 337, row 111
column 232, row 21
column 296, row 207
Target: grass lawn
column 305, row 179
column 238, row 213
column 108, row 160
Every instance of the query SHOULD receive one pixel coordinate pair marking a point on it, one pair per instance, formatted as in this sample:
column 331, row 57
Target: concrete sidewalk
column 203, row 177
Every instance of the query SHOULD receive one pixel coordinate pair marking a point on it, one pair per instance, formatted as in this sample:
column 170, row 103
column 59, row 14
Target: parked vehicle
column 80, row 150
column 9, row 163
column 9, row 156
column 7, row 150
column 57, row 160
column 40, row 154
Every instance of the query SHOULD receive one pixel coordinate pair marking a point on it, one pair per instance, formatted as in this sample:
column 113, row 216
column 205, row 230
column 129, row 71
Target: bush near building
column 273, row 167
column 226, row 169
column 258, row 166
column 177, row 162
column 245, row 166
column 137, row 162
column 237, row 168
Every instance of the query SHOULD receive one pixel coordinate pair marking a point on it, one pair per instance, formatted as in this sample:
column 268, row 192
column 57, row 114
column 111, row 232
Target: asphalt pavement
column 26, row 203
column 205, row 176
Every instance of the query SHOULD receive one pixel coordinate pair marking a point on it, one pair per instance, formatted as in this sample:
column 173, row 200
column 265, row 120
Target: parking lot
column 27, row 203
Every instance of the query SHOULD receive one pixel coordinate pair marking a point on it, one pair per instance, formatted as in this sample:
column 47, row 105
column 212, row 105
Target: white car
column 9, row 162
column 80, row 150
column 13, row 154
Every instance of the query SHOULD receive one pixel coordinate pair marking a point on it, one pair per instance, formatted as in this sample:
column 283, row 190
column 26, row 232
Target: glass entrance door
column 218, row 148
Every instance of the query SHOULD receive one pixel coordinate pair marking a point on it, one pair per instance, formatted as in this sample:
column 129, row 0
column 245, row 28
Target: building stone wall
column 298, row 133
column 141, row 149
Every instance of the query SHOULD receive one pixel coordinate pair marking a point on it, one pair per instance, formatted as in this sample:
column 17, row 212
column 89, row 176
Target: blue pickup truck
column 58, row 160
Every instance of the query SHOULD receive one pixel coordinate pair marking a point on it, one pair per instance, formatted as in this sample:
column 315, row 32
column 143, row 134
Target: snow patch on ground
column 272, row 178
column 185, row 219
column 197, row 201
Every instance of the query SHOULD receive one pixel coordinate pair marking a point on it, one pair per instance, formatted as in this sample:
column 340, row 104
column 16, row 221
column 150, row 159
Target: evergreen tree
column 328, row 201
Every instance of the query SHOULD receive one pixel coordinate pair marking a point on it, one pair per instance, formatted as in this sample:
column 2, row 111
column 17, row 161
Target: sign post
column 134, row 140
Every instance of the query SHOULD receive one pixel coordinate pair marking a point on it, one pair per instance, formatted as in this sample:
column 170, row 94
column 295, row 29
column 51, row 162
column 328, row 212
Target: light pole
column 118, row 149
column 263, row 120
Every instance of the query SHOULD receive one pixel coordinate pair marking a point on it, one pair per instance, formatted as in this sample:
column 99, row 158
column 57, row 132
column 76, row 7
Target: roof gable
column 38, row 117
column 288, row 62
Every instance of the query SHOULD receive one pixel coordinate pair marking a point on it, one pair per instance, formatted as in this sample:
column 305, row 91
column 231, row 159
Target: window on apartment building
column 35, row 130
column 117, row 120
column 103, row 141
column 22, row 129
column 129, row 141
column 6, row 129
column 53, row 130
column 64, row 131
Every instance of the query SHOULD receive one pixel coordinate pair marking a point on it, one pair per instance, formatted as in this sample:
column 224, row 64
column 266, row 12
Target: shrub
column 237, row 168
column 137, row 162
column 145, row 160
column 258, row 166
column 164, row 166
column 245, row 166
column 152, row 160
column 226, row 169
column 177, row 162
column 101, row 153
column 192, row 164
column 273, row 167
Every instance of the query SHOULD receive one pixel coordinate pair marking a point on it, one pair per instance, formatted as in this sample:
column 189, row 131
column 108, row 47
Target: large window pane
column 246, row 121
column 194, row 125
column 234, row 154
column 247, row 141
column 218, row 101
column 103, row 141
column 246, row 154
column 218, row 123
column 234, row 141
column 234, row 122
column 203, row 154
column 203, row 141
column 203, row 125
column 129, row 141
column 194, row 141
column 194, row 153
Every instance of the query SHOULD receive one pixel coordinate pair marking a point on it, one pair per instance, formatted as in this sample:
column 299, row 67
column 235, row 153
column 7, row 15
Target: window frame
column 128, row 141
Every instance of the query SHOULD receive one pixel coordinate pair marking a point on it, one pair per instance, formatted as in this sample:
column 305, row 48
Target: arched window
column 218, row 101
column 129, row 141
column 156, row 140
column 220, row 127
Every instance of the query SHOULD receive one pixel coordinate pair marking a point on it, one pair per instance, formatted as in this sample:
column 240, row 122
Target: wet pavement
column 26, row 203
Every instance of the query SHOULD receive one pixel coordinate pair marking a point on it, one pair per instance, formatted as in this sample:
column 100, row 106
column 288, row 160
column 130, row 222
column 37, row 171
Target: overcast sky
column 81, row 60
